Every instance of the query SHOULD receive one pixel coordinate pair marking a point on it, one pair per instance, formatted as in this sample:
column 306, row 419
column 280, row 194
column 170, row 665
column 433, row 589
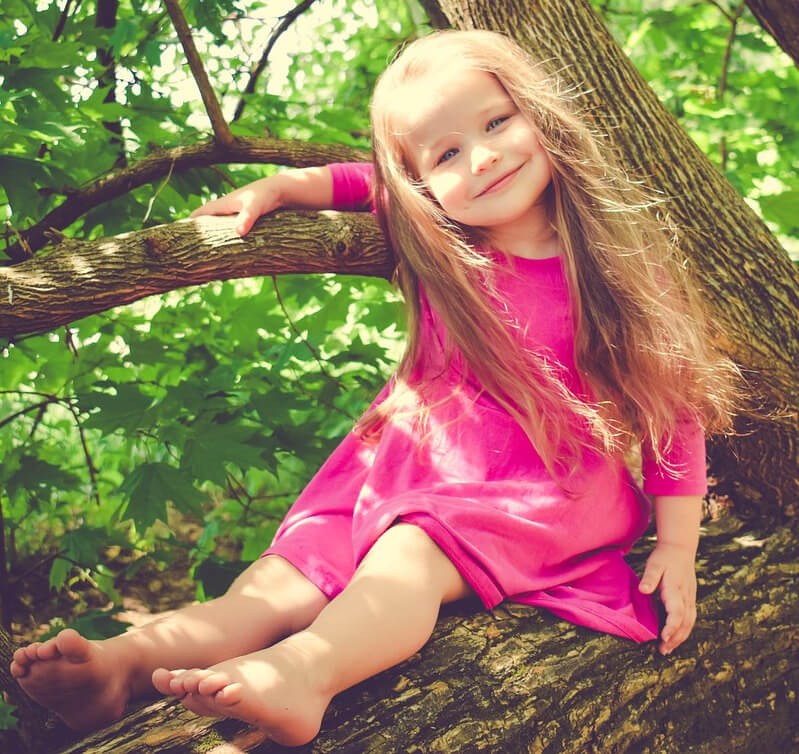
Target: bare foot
column 77, row 679
column 273, row 689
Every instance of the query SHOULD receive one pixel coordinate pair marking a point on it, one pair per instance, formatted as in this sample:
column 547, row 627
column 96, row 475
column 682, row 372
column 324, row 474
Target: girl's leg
column 88, row 683
column 385, row 614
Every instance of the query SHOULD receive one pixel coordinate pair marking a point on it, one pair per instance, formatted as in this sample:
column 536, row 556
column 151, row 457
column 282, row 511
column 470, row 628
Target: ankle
column 312, row 658
column 128, row 657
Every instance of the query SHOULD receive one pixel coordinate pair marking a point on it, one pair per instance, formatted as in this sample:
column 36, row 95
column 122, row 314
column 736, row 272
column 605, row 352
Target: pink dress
column 480, row 490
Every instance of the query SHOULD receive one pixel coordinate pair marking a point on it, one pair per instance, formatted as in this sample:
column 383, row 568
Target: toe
column 199, row 705
column 17, row 669
column 48, row 650
column 230, row 694
column 21, row 656
column 161, row 679
column 72, row 645
column 191, row 679
column 176, row 687
column 32, row 651
column 209, row 685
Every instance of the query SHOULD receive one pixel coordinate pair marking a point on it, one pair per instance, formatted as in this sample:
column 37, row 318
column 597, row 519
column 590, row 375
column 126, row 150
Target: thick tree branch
column 298, row 154
column 257, row 69
column 518, row 679
column 81, row 278
column 218, row 123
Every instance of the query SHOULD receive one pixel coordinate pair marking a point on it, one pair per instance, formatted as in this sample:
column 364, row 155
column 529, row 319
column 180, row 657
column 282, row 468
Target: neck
column 531, row 236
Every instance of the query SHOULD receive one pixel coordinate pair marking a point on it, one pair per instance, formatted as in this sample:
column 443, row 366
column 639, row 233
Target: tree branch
column 221, row 129
column 79, row 278
column 258, row 68
column 298, row 154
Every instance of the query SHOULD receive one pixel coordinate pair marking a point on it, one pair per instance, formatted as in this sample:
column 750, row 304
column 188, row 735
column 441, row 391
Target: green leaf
column 214, row 445
column 150, row 486
column 782, row 208
column 8, row 719
column 125, row 410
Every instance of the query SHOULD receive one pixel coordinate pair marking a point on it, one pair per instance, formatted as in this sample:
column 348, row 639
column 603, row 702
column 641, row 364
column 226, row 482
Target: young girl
column 549, row 329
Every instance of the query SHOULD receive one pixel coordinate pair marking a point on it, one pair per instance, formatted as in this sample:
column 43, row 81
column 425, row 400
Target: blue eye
column 448, row 155
column 496, row 122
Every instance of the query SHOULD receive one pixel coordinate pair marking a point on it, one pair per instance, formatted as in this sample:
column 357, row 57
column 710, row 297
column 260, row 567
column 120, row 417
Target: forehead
column 431, row 106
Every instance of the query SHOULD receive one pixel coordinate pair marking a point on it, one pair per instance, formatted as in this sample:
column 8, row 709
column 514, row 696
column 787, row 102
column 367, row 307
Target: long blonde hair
column 643, row 344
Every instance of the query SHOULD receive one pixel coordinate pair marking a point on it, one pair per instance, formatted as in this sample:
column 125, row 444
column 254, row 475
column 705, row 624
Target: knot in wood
column 154, row 247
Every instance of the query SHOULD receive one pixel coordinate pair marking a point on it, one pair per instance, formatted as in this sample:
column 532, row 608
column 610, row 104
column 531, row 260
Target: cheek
column 446, row 187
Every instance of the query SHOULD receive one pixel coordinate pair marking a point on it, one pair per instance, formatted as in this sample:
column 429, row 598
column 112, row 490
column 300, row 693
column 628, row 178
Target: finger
column 684, row 630
column 676, row 614
column 245, row 221
column 222, row 206
column 651, row 578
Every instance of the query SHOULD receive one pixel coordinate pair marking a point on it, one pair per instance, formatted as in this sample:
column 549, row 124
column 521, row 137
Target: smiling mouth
column 507, row 178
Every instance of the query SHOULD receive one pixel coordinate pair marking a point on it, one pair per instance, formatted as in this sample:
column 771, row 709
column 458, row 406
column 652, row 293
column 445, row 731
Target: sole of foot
column 77, row 679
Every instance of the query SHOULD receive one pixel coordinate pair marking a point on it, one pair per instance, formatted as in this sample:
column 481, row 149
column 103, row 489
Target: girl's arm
column 305, row 188
column 678, row 511
column 672, row 565
column 342, row 186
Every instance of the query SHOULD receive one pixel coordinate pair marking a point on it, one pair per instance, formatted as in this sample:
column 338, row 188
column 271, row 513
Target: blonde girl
column 550, row 329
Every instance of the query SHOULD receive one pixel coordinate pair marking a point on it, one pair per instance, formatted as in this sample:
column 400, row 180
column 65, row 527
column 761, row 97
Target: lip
column 501, row 182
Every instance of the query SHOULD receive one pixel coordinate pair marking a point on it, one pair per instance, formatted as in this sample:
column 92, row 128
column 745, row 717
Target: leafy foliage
column 217, row 404
column 743, row 112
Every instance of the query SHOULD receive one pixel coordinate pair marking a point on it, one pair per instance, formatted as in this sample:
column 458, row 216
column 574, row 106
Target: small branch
column 296, row 332
column 258, row 68
column 718, row 5
column 296, row 154
column 5, row 591
column 86, row 453
column 28, row 409
column 62, row 21
column 221, row 129
column 725, row 65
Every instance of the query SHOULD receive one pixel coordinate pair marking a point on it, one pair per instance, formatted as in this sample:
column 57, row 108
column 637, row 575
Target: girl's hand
column 672, row 567
column 248, row 202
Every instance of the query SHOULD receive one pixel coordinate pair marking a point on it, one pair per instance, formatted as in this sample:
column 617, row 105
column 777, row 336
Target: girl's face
column 479, row 157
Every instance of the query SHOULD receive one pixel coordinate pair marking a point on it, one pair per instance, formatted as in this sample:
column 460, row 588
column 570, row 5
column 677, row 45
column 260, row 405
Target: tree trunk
column 518, row 679
column 780, row 18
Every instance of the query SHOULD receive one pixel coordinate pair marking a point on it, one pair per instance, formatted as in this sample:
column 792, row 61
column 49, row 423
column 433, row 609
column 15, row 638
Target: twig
column 725, row 65
column 218, row 123
column 259, row 67
column 718, row 5
column 296, row 332
column 5, row 602
column 86, row 453
column 62, row 21
column 157, row 192
column 27, row 409
column 313, row 351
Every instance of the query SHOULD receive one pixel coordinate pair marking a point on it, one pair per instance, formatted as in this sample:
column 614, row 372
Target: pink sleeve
column 685, row 471
column 352, row 184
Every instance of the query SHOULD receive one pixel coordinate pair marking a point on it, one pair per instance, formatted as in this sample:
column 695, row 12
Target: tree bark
column 518, row 679
column 780, row 18
column 79, row 278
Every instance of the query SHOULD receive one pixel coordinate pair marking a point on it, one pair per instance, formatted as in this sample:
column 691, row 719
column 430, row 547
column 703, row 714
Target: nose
column 482, row 159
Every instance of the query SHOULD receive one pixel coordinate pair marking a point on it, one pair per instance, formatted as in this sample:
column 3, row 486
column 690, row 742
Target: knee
column 407, row 546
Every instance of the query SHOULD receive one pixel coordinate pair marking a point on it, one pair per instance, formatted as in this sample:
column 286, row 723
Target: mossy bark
column 517, row 679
